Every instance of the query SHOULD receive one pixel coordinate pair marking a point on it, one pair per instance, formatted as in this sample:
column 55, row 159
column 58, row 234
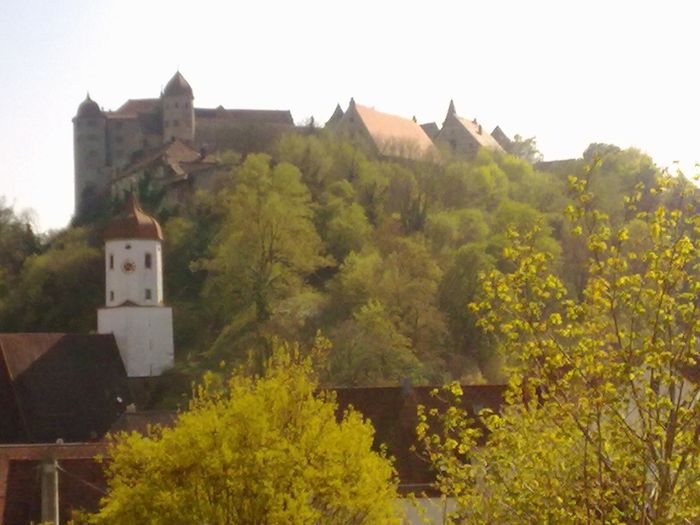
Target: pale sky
column 568, row 72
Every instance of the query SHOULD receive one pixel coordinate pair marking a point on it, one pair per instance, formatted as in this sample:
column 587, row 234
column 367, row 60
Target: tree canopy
column 602, row 421
column 254, row 449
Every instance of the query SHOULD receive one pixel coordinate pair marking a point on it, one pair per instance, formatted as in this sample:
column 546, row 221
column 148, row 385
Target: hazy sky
column 568, row 72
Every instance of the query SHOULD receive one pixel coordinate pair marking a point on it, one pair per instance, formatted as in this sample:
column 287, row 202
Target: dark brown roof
column 178, row 86
column 133, row 223
column 139, row 105
column 392, row 411
column 247, row 116
column 142, row 420
column 88, row 108
column 431, row 129
column 52, row 385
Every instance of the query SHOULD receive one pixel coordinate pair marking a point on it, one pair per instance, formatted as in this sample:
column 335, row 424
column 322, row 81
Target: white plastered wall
column 123, row 286
column 144, row 336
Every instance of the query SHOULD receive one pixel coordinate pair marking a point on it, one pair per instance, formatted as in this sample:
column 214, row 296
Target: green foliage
column 305, row 238
column 262, row 449
column 602, row 422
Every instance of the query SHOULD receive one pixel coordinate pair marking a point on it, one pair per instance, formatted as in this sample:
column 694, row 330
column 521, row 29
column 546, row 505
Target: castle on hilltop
column 109, row 144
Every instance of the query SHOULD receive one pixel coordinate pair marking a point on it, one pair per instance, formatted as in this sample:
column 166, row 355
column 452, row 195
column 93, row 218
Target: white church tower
column 134, row 311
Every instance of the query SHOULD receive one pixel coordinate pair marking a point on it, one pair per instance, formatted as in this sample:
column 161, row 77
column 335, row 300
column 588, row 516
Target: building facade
column 106, row 143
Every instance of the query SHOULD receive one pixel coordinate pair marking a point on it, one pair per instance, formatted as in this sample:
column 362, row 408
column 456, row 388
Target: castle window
column 118, row 125
column 111, row 295
column 148, row 294
column 111, row 262
column 177, row 104
column 147, row 260
column 187, row 105
column 176, row 122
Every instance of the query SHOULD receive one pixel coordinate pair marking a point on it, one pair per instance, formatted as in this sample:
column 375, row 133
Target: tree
column 602, row 418
column 264, row 449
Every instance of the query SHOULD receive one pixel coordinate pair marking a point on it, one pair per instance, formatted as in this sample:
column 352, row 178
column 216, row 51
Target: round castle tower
column 134, row 311
column 178, row 110
column 90, row 150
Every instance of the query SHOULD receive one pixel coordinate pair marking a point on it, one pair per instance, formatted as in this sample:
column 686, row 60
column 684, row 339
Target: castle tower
column 89, row 152
column 178, row 110
column 134, row 311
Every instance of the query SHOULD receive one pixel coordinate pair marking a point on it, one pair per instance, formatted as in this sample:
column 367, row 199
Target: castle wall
column 220, row 134
column 124, row 138
column 89, row 154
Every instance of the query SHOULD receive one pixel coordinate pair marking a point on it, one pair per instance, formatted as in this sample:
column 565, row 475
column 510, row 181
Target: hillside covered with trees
column 383, row 258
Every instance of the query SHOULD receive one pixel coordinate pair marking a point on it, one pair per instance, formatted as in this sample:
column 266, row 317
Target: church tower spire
column 134, row 301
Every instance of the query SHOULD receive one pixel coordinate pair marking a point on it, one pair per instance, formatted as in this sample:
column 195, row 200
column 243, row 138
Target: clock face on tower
column 128, row 266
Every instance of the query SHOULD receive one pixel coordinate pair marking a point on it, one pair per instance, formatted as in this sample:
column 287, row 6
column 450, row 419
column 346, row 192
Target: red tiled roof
column 394, row 135
column 133, row 223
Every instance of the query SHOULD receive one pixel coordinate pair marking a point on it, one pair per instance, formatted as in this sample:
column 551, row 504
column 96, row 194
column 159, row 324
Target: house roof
column 178, row 86
column 60, row 386
column 431, row 129
column 394, row 135
column 500, row 137
column 139, row 105
column 482, row 136
column 246, row 116
column 392, row 411
column 133, row 223
column 336, row 116
column 181, row 158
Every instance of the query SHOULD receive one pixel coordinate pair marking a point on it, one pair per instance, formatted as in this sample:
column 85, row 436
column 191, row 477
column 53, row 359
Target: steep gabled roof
column 479, row 134
column 394, row 135
column 335, row 117
column 61, row 386
column 431, row 129
column 500, row 137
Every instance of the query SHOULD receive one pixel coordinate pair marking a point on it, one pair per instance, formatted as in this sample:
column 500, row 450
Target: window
column 111, row 295
column 111, row 262
column 177, row 104
column 147, row 260
column 176, row 122
column 128, row 246
column 148, row 294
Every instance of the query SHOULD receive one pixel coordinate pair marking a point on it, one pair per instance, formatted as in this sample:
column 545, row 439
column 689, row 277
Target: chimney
column 480, row 129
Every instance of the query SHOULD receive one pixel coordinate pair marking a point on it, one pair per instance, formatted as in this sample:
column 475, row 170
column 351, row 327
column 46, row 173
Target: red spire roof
column 133, row 223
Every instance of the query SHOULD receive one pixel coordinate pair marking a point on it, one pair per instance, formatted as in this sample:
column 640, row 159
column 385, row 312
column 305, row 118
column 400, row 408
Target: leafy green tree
column 263, row 449
column 602, row 420
column 368, row 350
column 59, row 290
column 525, row 149
column 267, row 243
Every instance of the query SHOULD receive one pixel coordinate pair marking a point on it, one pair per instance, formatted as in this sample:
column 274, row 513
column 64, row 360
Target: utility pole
column 49, row 491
